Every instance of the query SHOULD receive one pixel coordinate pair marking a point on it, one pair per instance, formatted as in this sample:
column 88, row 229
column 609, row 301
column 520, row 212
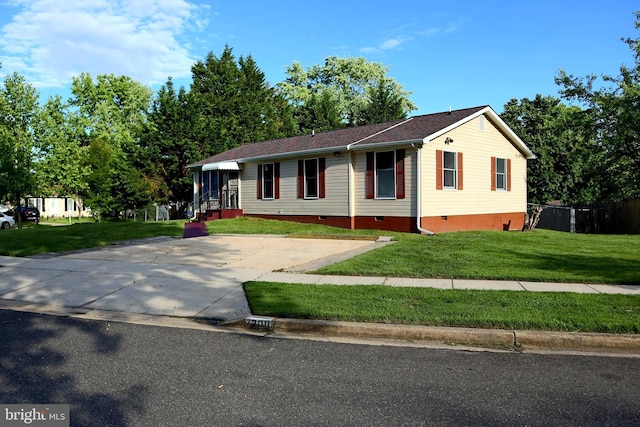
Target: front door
column 229, row 190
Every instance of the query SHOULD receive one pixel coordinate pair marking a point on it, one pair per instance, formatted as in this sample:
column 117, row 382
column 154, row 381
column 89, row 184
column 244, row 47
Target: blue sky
column 455, row 54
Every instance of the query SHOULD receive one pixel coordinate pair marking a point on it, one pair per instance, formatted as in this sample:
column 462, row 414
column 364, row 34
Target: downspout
column 419, row 192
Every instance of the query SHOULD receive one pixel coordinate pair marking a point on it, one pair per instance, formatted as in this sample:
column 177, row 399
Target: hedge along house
column 457, row 170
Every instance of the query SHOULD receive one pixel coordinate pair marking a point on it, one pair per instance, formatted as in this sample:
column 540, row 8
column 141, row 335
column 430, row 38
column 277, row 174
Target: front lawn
column 541, row 255
column 35, row 239
column 519, row 310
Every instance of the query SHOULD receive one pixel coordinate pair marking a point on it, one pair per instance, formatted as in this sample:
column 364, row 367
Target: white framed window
column 311, row 178
column 501, row 174
column 385, row 167
column 268, row 181
column 449, row 170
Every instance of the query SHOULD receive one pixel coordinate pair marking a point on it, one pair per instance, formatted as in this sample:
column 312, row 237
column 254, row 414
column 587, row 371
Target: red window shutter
column 300, row 179
column 459, row 171
column 322, row 164
column 493, row 174
column 508, row 174
column 259, row 180
column 438, row 169
column 276, row 180
column 369, row 181
column 400, row 183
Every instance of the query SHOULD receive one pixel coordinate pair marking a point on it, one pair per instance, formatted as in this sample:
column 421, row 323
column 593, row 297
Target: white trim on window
column 449, row 170
column 311, row 178
column 501, row 174
column 268, row 176
column 385, row 175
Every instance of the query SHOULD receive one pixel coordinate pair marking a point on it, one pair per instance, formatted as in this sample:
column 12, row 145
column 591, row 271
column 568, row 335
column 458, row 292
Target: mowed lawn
column 540, row 255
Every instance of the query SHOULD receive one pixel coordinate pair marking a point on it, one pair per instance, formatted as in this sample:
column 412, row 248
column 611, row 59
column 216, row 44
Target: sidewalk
column 502, row 285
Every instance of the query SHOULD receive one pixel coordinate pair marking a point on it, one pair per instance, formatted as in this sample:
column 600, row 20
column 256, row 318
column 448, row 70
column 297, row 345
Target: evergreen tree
column 236, row 104
column 168, row 144
column 385, row 104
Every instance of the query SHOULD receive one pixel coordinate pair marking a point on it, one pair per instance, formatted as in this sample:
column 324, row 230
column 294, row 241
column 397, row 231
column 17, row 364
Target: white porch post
column 196, row 188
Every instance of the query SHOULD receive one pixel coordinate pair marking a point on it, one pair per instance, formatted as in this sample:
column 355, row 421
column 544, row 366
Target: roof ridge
column 379, row 132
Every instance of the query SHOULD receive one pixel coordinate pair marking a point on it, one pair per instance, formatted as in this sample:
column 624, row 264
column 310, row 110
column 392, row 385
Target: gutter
column 419, row 192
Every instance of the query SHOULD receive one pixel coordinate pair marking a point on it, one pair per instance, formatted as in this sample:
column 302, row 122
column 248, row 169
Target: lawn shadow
column 605, row 269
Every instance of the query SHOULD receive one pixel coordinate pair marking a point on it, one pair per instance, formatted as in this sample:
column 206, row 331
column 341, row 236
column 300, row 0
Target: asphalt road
column 117, row 374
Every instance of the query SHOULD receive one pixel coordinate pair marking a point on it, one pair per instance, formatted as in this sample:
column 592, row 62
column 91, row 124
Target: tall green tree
column 19, row 111
column 63, row 168
column 385, row 104
column 169, row 143
column 100, row 180
column 566, row 157
column 615, row 120
column 113, row 110
column 319, row 114
column 354, row 84
column 236, row 104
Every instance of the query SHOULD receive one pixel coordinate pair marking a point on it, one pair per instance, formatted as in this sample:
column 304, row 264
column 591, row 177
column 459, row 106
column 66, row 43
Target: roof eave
column 375, row 146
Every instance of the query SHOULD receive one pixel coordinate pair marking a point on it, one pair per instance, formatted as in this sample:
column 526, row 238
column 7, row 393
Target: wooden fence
column 610, row 217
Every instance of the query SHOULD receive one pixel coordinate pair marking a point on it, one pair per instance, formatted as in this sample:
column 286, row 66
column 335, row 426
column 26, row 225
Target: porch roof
column 221, row 166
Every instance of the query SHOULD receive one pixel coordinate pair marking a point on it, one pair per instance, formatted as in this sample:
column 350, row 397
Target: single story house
column 455, row 170
column 57, row 206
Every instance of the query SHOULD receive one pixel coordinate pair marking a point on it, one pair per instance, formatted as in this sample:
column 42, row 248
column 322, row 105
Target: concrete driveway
column 196, row 277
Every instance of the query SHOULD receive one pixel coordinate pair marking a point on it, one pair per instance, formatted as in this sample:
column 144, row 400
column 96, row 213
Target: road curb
column 489, row 338
column 614, row 343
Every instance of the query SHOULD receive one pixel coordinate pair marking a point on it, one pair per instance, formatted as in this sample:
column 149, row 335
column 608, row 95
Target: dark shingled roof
column 414, row 128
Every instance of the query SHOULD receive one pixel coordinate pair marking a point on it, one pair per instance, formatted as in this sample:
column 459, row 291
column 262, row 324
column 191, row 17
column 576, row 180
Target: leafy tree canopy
column 566, row 159
column 235, row 103
column 613, row 106
column 19, row 111
column 355, row 85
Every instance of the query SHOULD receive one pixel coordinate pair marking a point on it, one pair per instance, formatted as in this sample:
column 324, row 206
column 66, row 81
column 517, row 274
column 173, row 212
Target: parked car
column 6, row 221
column 30, row 213
column 27, row 213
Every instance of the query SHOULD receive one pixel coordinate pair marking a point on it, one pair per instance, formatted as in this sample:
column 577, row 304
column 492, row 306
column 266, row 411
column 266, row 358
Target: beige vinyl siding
column 385, row 207
column 336, row 184
column 476, row 197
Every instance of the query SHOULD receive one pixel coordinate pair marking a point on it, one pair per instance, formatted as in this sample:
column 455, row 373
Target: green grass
column 460, row 308
column 35, row 239
column 250, row 225
column 540, row 255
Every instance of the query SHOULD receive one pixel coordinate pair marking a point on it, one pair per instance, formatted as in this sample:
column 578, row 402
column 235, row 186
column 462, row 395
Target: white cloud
column 391, row 43
column 49, row 41
column 388, row 44
column 407, row 36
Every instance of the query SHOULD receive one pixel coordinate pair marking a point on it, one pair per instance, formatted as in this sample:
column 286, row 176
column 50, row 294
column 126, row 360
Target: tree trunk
column 533, row 218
